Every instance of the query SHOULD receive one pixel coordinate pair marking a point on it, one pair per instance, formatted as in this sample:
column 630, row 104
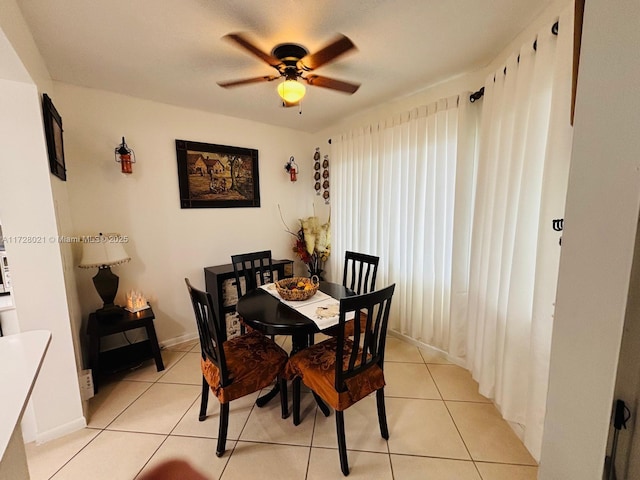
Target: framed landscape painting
column 217, row 176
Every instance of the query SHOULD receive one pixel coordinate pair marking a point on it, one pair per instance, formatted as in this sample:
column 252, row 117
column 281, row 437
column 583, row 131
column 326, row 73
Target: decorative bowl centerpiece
column 297, row 288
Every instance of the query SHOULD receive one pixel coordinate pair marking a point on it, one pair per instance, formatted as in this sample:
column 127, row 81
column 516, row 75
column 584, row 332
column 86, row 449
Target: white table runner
column 322, row 309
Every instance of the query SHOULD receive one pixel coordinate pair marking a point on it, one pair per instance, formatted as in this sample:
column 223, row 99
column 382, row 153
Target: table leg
column 155, row 348
column 299, row 342
column 264, row 399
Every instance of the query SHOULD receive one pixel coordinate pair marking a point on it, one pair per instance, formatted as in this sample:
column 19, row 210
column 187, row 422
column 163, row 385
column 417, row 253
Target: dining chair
column 233, row 368
column 252, row 270
column 360, row 271
column 342, row 370
column 359, row 275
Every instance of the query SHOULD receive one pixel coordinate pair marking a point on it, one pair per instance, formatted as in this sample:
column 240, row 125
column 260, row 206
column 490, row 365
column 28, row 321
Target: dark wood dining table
column 264, row 312
column 267, row 314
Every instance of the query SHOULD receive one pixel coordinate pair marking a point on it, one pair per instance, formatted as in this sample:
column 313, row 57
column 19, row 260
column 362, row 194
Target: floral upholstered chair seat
column 316, row 367
column 253, row 361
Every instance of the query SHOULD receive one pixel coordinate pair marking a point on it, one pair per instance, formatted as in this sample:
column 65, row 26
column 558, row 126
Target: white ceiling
column 171, row 51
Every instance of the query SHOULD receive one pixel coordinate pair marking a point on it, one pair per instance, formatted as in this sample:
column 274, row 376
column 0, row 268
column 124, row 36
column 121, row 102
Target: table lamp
column 102, row 251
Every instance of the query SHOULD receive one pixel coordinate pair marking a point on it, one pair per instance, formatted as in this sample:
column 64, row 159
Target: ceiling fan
column 293, row 62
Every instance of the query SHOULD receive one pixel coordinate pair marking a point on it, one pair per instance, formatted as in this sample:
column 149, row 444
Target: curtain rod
column 478, row 95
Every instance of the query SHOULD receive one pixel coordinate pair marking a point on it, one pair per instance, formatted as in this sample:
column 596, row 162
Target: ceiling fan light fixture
column 291, row 91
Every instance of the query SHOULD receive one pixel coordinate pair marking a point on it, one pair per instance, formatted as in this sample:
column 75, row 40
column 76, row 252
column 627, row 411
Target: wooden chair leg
column 324, row 408
column 204, row 399
column 342, row 443
column 382, row 414
column 222, row 429
column 296, row 400
column 284, row 401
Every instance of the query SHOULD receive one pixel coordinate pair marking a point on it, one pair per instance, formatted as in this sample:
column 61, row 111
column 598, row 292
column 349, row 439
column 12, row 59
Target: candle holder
column 136, row 302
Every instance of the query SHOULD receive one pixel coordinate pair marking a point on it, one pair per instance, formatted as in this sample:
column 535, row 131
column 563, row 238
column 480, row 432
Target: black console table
column 111, row 361
column 220, row 282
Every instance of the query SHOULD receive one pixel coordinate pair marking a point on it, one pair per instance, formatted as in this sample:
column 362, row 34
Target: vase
column 315, row 271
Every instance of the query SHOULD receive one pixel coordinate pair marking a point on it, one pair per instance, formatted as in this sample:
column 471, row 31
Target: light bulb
column 291, row 91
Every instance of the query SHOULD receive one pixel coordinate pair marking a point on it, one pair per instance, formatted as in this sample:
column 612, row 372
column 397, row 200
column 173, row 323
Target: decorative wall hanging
column 292, row 169
column 217, row 175
column 325, row 176
column 316, row 167
column 53, row 133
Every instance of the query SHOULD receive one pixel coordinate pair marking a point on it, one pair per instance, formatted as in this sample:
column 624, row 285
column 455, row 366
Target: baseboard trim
column 61, row 430
column 428, row 348
column 178, row 340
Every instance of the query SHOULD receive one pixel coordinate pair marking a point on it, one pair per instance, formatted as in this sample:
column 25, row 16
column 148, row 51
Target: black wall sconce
column 292, row 168
column 125, row 157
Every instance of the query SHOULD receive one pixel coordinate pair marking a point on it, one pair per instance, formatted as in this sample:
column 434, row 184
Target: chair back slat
column 360, row 271
column 368, row 343
column 254, row 268
column 209, row 330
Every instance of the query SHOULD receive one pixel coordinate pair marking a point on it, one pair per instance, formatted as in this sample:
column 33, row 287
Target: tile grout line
column 311, row 447
column 151, row 456
column 461, row 437
column 151, row 384
column 253, row 407
column 106, row 427
column 453, row 421
column 313, row 432
column 76, row 454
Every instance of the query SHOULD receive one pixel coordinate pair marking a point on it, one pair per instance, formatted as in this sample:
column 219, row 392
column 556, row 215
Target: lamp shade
column 291, row 91
column 101, row 250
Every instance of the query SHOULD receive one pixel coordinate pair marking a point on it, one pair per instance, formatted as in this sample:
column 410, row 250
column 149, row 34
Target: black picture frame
column 217, row 176
column 53, row 133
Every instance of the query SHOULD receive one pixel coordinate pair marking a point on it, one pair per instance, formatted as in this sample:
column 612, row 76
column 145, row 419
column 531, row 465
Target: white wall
column 628, row 379
column 27, row 208
column 168, row 243
column 597, row 244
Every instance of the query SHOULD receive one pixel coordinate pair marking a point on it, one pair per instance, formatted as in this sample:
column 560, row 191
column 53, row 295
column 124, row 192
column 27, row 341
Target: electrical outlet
column 86, row 384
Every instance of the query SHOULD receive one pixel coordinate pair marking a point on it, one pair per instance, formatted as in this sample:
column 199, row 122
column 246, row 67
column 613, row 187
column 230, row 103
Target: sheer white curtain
column 463, row 225
column 524, row 152
column 395, row 195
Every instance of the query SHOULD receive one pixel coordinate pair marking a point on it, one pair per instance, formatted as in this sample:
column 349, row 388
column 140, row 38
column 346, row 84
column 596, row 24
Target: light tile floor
column 440, row 428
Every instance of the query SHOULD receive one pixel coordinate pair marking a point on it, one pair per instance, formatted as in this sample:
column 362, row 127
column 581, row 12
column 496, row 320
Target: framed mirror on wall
column 53, row 133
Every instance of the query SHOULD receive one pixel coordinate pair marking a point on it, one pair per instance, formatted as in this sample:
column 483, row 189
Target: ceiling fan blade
column 245, row 81
column 241, row 40
column 330, row 52
column 332, row 83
